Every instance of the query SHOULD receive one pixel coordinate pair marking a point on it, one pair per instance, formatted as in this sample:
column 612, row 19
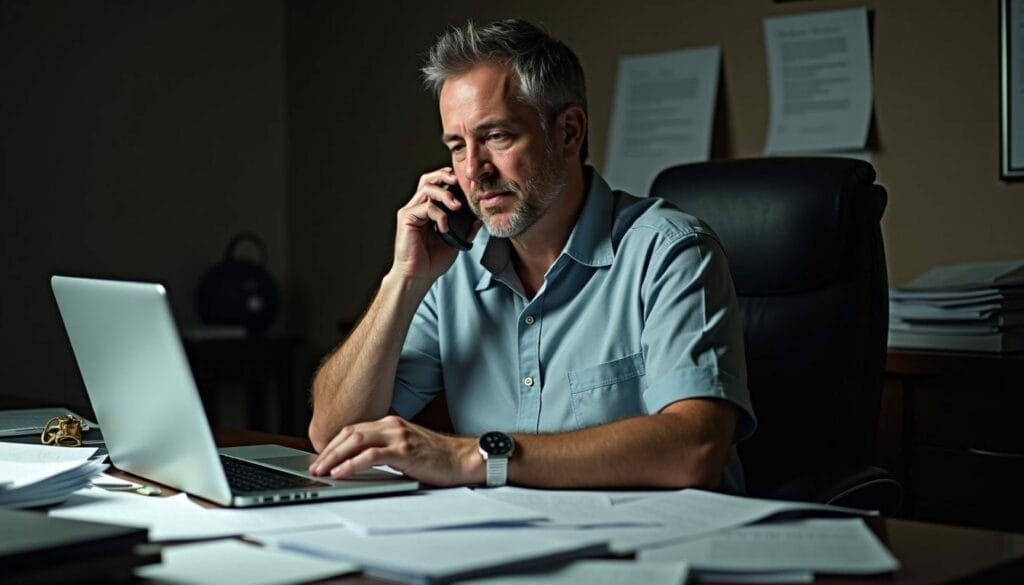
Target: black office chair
column 805, row 249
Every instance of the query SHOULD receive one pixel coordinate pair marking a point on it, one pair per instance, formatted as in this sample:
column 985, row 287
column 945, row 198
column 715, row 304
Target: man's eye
column 498, row 136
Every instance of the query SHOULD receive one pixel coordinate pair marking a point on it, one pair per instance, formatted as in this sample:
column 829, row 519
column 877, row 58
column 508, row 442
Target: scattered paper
column 819, row 69
column 178, row 518
column 232, row 561
column 428, row 510
column 595, row 572
column 567, row 508
column 769, row 577
column 843, row 546
column 691, row 513
column 440, row 556
column 662, row 116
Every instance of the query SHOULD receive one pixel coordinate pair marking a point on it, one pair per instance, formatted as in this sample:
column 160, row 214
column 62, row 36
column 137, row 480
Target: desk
column 950, row 431
column 929, row 553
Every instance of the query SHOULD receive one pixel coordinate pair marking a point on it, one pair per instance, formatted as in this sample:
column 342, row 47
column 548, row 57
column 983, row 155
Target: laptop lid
column 145, row 398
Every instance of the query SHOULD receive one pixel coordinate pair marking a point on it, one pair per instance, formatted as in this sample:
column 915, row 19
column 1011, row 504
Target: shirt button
column 529, row 319
column 528, row 381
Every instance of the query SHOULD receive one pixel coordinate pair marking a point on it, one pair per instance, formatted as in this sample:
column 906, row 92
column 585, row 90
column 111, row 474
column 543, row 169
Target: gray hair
column 550, row 75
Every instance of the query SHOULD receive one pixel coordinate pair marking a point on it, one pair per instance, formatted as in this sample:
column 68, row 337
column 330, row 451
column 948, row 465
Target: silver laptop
column 145, row 399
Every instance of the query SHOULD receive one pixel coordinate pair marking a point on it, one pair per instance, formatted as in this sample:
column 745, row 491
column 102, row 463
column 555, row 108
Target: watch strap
column 497, row 470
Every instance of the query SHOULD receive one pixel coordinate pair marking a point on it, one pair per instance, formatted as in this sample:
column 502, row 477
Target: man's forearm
column 686, row 445
column 356, row 381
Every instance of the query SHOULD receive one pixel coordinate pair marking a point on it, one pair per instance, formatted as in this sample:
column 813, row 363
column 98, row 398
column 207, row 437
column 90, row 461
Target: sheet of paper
column 769, row 578
column 178, row 518
column 687, row 514
column 27, row 453
column 843, row 546
column 595, row 572
column 662, row 115
column 212, row 563
column 440, row 555
column 569, row 508
column 819, row 70
column 14, row 474
column 427, row 510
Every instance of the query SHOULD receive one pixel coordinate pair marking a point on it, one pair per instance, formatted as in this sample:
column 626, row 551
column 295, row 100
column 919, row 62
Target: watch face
column 496, row 443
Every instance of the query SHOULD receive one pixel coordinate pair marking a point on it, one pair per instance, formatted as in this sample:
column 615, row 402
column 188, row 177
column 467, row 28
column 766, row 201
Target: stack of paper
column 965, row 307
column 40, row 475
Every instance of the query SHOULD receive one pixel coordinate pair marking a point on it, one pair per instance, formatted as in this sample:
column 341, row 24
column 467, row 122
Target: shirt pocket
column 607, row 392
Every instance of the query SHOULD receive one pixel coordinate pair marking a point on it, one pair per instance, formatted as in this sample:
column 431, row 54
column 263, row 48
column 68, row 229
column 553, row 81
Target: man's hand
column 424, row 455
column 419, row 253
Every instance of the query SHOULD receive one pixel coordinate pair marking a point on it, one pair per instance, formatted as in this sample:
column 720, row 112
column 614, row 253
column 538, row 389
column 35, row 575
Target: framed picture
column 1011, row 57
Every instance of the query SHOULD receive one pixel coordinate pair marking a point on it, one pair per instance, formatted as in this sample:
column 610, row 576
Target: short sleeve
column 418, row 377
column 693, row 336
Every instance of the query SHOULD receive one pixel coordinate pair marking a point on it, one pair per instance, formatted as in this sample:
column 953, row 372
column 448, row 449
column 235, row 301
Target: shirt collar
column 590, row 242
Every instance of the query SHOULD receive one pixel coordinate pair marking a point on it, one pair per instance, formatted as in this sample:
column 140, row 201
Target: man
column 590, row 339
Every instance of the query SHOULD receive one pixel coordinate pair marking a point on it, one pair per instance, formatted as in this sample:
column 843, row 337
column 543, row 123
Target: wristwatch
column 496, row 448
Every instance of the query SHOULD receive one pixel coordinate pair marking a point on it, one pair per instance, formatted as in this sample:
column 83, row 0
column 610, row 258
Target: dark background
column 137, row 137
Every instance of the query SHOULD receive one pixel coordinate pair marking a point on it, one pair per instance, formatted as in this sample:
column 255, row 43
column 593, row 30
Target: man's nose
column 478, row 163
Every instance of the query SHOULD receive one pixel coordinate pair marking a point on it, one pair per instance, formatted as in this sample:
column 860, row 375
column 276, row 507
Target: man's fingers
column 348, row 443
column 364, row 460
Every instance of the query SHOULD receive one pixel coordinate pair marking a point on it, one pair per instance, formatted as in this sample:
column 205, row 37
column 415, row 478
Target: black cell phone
column 460, row 223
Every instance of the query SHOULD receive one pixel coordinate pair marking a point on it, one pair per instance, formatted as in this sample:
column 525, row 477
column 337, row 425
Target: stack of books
column 963, row 307
column 38, row 549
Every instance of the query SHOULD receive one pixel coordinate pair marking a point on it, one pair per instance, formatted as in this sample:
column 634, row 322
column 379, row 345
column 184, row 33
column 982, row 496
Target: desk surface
column 928, row 553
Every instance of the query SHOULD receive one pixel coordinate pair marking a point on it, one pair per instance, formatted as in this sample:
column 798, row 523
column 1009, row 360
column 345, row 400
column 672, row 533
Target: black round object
column 237, row 291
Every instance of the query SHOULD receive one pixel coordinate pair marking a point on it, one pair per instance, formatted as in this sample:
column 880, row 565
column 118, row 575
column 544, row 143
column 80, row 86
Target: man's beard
column 532, row 202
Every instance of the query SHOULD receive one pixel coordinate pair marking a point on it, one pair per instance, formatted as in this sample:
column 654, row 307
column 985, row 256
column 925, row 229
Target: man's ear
column 572, row 130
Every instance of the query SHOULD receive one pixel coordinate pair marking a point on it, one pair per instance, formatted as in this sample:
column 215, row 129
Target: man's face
column 500, row 150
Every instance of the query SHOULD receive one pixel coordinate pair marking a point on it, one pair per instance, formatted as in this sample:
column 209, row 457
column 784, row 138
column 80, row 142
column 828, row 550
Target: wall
column 135, row 138
column 362, row 130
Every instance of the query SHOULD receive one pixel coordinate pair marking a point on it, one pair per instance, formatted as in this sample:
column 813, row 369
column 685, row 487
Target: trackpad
column 297, row 463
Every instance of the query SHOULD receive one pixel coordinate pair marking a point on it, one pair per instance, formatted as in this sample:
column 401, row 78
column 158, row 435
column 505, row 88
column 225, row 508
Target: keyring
column 63, row 431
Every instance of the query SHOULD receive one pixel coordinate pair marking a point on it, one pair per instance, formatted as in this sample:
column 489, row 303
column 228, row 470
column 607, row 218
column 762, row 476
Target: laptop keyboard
column 244, row 476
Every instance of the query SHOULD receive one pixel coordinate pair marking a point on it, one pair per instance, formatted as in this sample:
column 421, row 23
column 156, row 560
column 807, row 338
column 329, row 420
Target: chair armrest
column 863, row 487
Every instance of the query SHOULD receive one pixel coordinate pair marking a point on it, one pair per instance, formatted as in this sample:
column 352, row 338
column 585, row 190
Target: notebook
column 145, row 398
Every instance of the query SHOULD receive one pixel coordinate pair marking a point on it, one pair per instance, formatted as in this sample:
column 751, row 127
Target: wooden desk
column 928, row 553
column 950, row 431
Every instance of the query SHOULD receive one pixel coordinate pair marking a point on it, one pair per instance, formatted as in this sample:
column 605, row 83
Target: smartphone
column 460, row 223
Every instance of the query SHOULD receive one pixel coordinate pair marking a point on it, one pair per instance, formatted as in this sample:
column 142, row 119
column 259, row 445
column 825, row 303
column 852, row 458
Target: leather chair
column 805, row 249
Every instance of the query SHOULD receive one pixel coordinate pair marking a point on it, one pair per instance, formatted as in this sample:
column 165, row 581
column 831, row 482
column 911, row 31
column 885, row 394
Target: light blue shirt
column 637, row 312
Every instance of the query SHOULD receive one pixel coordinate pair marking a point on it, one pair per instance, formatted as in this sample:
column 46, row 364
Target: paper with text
column 819, row 70
column 662, row 115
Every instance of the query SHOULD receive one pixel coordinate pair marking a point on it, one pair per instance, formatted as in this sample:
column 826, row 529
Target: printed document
column 819, row 70
column 662, row 115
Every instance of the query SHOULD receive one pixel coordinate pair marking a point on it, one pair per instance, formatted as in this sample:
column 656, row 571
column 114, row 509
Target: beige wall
column 361, row 130
column 135, row 138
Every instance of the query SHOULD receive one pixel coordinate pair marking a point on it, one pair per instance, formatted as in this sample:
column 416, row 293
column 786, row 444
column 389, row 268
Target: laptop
column 145, row 399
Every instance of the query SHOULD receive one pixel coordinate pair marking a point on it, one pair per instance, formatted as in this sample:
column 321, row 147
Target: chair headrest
column 795, row 211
